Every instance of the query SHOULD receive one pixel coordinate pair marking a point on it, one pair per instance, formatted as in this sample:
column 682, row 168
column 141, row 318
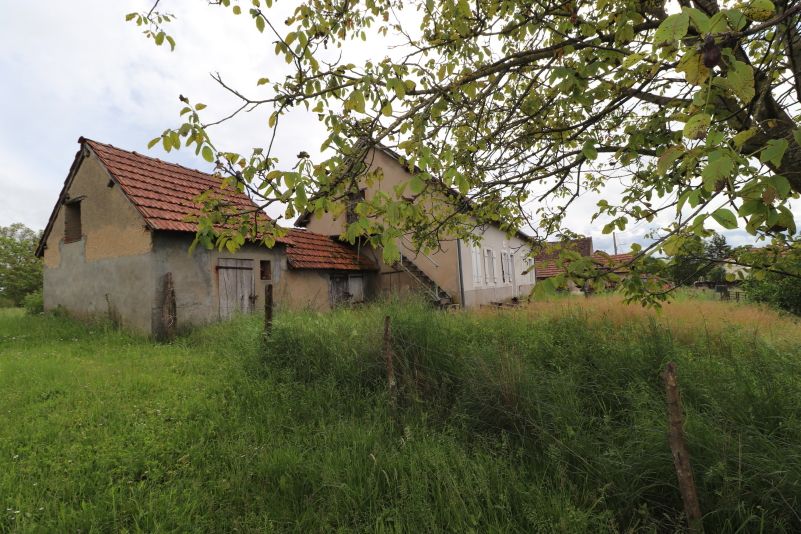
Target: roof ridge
column 82, row 139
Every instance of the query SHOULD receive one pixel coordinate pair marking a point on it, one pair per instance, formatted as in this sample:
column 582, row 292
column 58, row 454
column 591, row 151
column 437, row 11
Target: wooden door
column 339, row 290
column 237, row 294
column 356, row 288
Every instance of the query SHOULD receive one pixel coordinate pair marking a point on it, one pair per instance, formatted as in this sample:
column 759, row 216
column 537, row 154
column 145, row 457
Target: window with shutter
column 72, row 222
column 476, row 255
column 490, row 276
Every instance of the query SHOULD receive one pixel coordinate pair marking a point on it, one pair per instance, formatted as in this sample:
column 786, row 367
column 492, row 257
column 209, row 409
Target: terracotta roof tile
column 307, row 250
column 547, row 268
column 165, row 193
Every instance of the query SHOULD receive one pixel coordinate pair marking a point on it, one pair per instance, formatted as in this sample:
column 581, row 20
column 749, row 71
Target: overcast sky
column 71, row 69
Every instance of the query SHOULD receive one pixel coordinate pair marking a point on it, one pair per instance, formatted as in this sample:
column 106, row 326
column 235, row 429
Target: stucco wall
column 196, row 280
column 107, row 271
column 112, row 227
column 485, row 291
column 118, row 288
column 440, row 265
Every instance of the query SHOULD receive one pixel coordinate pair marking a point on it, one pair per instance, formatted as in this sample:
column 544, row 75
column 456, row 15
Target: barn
column 117, row 245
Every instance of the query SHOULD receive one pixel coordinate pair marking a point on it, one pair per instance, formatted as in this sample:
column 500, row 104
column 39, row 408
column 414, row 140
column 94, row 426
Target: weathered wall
column 118, row 288
column 112, row 227
column 108, row 271
column 439, row 265
column 196, row 280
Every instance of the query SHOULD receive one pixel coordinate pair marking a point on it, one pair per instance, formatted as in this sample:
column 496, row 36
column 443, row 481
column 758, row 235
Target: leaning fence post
column 391, row 384
column 268, row 309
column 169, row 315
column 681, row 456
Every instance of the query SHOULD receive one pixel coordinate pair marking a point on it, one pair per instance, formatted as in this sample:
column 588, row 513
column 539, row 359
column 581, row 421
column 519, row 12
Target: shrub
column 33, row 302
column 782, row 292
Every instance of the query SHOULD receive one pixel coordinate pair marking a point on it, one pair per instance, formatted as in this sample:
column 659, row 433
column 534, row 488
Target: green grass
column 506, row 422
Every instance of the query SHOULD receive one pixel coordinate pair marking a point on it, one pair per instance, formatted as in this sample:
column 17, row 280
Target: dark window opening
column 353, row 200
column 266, row 267
column 72, row 221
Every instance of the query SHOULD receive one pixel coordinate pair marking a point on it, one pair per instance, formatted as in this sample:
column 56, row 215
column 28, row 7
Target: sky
column 71, row 69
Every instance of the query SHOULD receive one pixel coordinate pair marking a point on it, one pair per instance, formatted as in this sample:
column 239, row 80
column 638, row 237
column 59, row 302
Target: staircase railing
column 435, row 291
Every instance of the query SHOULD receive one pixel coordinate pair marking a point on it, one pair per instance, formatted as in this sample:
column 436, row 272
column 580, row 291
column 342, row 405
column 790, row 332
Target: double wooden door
column 237, row 291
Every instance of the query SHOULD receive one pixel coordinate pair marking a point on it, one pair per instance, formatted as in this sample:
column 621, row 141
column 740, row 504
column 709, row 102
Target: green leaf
column 692, row 65
column 159, row 38
column 632, row 59
column 759, row 10
column 673, row 28
column 416, row 185
column 386, row 109
column 260, row 23
column 130, row 16
column 780, row 184
column 200, row 107
column 725, row 218
column 774, row 152
column 237, row 10
column 697, row 126
column 153, row 142
column 356, row 101
column 589, row 150
column 668, row 158
column 208, row 153
column 719, row 167
column 718, row 23
column 740, row 81
column 741, row 138
column 698, row 19
column 797, row 136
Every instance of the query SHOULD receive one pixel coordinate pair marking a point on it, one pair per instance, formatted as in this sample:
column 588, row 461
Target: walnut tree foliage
column 508, row 111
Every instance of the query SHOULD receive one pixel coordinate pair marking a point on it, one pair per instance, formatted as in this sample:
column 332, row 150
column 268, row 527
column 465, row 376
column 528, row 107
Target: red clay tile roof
column 307, row 250
column 164, row 193
column 545, row 265
column 616, row 262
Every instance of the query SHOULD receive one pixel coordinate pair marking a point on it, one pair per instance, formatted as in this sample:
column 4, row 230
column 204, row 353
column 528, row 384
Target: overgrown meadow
column 547, row 419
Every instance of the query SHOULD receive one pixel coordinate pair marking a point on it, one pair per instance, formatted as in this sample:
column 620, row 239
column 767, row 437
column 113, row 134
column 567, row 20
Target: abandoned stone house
column 119, row 236
column 120, row 226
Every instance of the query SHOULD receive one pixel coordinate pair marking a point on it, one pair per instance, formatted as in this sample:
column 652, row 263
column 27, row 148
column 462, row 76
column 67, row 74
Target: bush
column 6, row 302
column 33, row 302
column 782, row 292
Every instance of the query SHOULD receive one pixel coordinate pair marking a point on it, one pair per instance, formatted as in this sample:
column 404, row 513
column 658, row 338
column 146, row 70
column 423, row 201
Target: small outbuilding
column 117, row 245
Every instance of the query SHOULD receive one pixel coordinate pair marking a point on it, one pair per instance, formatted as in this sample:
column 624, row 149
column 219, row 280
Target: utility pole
column 614, row 242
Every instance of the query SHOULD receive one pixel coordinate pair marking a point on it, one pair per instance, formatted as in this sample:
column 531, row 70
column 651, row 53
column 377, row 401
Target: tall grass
column 573, row 392
column 547, row 419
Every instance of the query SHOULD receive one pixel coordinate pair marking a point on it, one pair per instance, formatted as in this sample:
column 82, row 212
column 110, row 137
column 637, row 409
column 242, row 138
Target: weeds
column 548, row 419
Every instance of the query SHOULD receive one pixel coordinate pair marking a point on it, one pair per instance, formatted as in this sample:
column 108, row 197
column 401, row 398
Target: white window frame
column 507, row 267
column 478, row 276
column 490, row 273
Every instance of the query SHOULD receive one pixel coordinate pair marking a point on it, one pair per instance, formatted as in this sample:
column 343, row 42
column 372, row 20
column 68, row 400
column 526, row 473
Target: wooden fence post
column 169, row 314
column 268, row 309
column 391, row 383
column 681, row 456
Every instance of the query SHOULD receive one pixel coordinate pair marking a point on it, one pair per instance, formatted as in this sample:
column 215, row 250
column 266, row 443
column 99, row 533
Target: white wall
column 480, row 285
